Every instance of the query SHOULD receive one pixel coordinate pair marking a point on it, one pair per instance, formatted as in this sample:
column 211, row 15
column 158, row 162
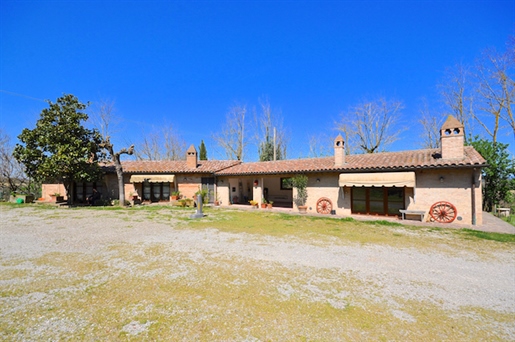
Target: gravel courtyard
column 92, row 274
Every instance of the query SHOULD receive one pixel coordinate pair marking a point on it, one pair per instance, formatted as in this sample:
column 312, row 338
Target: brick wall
column 455, row 187
column 452, row 146
column 50, row 189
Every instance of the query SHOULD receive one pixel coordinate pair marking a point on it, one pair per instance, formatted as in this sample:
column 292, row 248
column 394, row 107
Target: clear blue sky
column 187, row 62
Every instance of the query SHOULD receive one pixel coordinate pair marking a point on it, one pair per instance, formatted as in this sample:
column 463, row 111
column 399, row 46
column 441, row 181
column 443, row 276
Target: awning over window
column 398, row 179
column 152, row 178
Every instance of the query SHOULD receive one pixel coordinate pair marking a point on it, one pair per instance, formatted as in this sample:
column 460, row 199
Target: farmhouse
column 430, row 184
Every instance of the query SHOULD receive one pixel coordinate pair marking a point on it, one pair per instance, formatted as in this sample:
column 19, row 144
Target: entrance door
column 209, row 184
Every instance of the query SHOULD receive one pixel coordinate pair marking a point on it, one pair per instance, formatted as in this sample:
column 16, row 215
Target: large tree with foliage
column 60, row 148
column 499, row 173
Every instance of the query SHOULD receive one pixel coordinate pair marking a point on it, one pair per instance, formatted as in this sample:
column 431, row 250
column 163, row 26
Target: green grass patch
column 340, row 230
column 384, row 223
column 510, row 238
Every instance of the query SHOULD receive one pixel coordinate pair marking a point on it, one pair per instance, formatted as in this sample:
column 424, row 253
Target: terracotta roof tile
column 388, row 161
column 175, row 166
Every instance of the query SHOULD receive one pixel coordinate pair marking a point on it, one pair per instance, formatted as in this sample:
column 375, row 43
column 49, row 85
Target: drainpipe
column 473, row 198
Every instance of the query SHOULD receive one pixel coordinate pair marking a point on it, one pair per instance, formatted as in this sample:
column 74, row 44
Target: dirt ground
column 483, row 280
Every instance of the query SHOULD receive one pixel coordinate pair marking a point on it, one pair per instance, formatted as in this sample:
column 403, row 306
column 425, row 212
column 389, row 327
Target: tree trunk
column 119, row 175
column 118, row 166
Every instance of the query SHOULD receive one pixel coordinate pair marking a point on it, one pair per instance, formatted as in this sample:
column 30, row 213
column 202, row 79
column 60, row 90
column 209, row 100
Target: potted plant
column 270, row 204
column 300, row 183
column 204, row 193
column 134, row 195
column 263, row 203
column 254, row 204
column 58, row 197
column 176, row 195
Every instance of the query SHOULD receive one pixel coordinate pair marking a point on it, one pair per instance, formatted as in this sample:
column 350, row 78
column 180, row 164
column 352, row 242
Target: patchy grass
column 149, row 292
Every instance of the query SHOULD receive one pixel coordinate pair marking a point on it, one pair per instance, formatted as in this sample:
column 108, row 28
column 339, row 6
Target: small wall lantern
column 256, row 182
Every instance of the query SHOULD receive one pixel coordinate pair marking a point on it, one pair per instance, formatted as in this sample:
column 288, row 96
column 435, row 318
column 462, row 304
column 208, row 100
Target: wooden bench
column 420, row 213
column 278, row 198
column 505, row 212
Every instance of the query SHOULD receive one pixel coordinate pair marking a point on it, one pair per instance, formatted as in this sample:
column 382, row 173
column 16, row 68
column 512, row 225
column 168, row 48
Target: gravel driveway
column 449, row 280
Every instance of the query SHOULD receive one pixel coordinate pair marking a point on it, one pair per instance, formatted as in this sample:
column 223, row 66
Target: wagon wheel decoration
column 324, row 206
column 443, row 212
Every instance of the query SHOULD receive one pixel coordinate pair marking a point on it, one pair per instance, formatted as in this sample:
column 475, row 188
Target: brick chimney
column 339, row 151
column 191, row 157
column 452, row 139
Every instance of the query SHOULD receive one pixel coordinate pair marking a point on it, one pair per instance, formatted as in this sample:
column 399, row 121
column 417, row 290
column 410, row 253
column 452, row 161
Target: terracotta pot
column 303, row 209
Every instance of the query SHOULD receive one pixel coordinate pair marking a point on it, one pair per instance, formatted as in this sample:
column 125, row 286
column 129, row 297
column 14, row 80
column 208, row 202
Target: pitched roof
column 388, row 161
column 451, row 122
column 175, row 166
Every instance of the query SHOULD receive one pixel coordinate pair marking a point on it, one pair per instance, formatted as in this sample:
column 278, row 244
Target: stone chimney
column 191, row 157
column 339, row 151
column 452, row 139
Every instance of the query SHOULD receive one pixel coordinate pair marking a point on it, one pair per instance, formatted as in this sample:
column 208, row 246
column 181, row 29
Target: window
column 286, row 183
column 156, row 192
column 83, row 190
column 379, row 201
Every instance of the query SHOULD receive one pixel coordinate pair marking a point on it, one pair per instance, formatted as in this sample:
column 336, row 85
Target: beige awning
column 152, row 178
column 398, row 179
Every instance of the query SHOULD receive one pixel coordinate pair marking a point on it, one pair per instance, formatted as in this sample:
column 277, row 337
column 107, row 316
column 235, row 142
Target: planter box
column 57, row 199
column 25, row 198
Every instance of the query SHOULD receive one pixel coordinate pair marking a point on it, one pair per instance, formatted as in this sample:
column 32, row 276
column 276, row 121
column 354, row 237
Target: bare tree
column 12, row 176
column 320, row 146
column 162, row 144
column 233, row 136
column 457, row 94
column 271, row 137
column 496, row 89
column 430, row 127
column 105, row 117
column 372, row 125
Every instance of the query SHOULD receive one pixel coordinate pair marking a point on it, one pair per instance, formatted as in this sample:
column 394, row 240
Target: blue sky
column 185, row 63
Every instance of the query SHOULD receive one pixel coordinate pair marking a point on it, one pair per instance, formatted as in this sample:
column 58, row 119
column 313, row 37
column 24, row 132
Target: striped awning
column 397, row 179
column 152, row 178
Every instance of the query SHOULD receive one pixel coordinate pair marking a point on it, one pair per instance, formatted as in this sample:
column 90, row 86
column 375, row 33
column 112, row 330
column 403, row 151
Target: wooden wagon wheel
column 443, row 212
column 324, row 206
